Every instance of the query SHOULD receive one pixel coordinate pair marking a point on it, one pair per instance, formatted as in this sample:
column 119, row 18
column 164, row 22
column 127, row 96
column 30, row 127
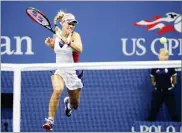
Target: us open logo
column 172, row 22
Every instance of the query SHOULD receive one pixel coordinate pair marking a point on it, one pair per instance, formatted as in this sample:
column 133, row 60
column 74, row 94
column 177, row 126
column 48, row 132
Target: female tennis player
column 67, row 48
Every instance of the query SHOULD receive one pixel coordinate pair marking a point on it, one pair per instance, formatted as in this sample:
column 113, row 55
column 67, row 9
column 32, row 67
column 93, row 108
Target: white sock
column 51, row 119
column 69, row 106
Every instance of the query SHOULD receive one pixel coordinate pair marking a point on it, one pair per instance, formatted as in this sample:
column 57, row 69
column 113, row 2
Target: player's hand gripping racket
column 38, row 17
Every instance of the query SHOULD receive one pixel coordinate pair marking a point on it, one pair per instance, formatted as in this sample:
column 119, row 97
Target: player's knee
column 57, row 93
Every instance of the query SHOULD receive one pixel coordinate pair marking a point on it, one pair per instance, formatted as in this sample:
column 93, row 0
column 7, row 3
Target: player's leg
column 74, row 83
column 58, row 86
column 157, row 100
column 72, row 101
column 74, row 98
column 74, row 89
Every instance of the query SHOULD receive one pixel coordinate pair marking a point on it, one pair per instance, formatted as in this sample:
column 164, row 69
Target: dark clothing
column 163, row 78
column 163, row 93
column 158, row 98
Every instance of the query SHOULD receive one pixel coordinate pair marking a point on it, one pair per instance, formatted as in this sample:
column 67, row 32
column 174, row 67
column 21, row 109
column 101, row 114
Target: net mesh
column 111, row 100
column 6, row 112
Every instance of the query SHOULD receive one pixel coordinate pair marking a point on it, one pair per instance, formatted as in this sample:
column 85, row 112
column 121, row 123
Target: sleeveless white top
column 64, row 54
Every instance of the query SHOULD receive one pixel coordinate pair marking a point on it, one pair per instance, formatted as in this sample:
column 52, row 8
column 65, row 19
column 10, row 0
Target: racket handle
column 57, row 34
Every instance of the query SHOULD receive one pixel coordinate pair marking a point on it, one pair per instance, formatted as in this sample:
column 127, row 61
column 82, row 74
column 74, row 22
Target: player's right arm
column 50, row 41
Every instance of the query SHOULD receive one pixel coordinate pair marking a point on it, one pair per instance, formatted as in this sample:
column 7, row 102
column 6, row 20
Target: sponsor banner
column 143, row 126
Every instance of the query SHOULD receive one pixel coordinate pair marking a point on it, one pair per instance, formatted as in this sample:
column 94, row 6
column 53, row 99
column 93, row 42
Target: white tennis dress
column 65, row 55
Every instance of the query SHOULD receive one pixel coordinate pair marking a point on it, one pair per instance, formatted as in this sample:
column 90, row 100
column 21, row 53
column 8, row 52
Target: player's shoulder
column 76, row 34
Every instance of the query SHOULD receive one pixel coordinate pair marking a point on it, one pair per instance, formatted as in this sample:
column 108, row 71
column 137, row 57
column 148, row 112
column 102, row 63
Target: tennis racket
column 38, row 17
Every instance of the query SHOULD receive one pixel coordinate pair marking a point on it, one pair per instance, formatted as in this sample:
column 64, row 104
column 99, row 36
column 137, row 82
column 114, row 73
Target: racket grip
column 57, row 34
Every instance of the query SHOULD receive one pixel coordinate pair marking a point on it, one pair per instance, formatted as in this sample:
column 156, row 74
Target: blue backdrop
column 103, row 27
column 114, row 100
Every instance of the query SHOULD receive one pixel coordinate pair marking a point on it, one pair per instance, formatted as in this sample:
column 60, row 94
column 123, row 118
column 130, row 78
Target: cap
column 68, row 17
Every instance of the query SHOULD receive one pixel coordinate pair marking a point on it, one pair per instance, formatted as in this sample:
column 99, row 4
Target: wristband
column 69, row 43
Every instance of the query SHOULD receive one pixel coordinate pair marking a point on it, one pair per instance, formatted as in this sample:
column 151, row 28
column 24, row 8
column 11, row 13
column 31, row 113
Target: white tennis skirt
column 71, row 80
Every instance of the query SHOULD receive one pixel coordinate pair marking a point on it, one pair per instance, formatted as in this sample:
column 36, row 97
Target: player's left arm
column 76, row 42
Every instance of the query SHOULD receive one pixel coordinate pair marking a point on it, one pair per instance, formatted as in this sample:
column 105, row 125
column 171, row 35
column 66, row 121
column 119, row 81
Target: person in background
column 164, row 81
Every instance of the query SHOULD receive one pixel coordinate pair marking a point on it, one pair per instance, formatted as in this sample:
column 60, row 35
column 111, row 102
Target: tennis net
column 115, row 95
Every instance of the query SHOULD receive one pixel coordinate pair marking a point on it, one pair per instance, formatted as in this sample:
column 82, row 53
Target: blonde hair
column 59, row 16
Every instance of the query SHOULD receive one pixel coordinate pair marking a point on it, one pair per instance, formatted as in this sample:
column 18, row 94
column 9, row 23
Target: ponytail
column 59, row 16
